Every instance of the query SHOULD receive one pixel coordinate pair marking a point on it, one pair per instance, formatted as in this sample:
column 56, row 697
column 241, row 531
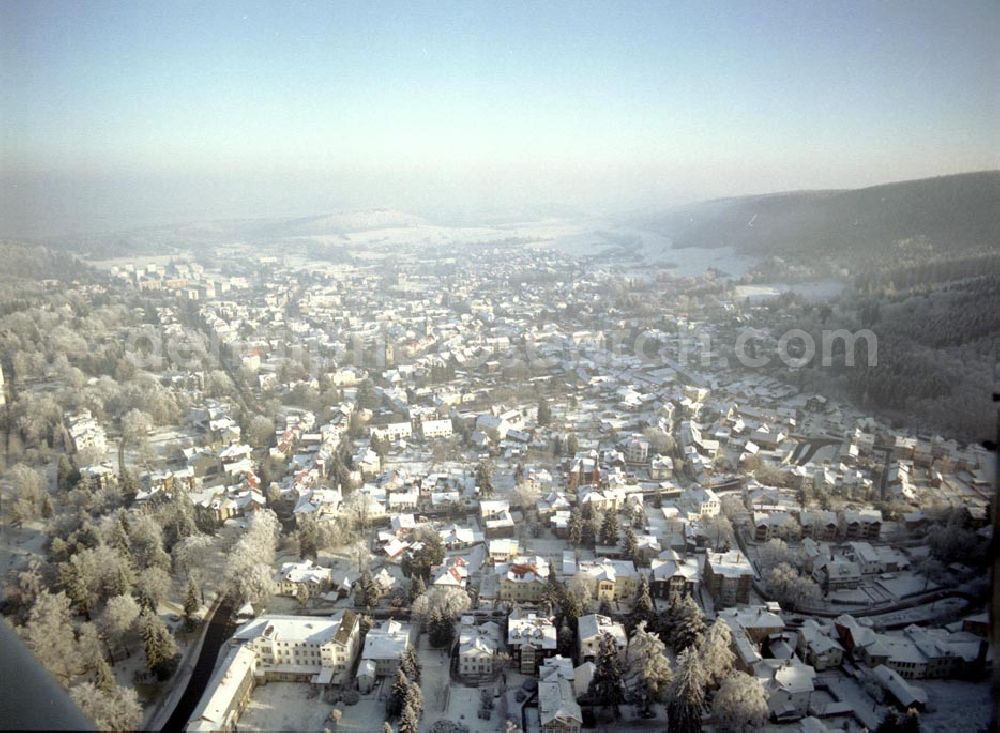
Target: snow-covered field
column 287, row 706
column 368, row 715
column 955, row 706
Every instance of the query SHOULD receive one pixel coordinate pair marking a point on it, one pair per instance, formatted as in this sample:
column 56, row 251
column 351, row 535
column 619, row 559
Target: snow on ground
column 955, row 705
column 943, row 611
column 286, row 706
column 906, row 584
column 20, row 544
column 435, row 681
column 463, row 707
column 368, row 715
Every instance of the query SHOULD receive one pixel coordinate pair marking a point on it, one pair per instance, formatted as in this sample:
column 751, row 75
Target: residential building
column 610, row 580
column 789, row 686
column 477, row 648
column 591, row 628
column 531, row 638
column 558, row 710
column 523, row 579
column 728, row 577
column 294, row 575
column 384, row 646
column 673, row 577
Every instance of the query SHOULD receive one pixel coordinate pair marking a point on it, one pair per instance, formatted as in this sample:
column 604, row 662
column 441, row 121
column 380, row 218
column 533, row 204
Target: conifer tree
column 105, row 678
column 687, row 693
column 397, row 694
column 608, row 673
column 574, row 527
column 410, row 664
column 631, row 544
column 609, row 529
column 686, row 624
column 716, row 652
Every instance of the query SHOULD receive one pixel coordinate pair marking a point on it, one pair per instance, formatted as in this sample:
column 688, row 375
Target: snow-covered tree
column 191, row 605
column 158, row 644
column 249, row 567
column 607, row 682
column 716, row 651
column 193, row 553
column 609, row 529
column 648, row 663
column 484, row 478
column 397, row 694
column 146, row 539
column 153, row 585
column 417, row 587
column 261, row 431
column 525, row 496
column 579, row 595
column 686, row 624
column 367, row 592
column 719, row 531
column 119, row 617
column 420, row 609
column 773, row 553
column 687, row 694
column 410, row 664
column 117, row 709
column 78, row 577
column 413, row 703
column 643, row 610
column 89, row 646
column 27, row 486
column 409, row 720
column 452, row 602
column 574, row 527
column 440, row 628
column 49, row 634
column 787, row 586
column 631, row 544
column 136, row 425
column 741, row 703
column 104, row 678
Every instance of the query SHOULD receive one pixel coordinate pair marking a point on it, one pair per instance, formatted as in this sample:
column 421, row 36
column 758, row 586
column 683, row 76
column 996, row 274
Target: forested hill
column 22, row 261
column 958, row 213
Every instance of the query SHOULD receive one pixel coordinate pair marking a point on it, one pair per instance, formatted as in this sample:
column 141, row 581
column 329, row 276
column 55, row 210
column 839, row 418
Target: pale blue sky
column 114, row 113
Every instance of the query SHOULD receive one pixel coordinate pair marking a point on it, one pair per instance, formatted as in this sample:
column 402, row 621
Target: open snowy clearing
column 286, row 706
column 956, row 705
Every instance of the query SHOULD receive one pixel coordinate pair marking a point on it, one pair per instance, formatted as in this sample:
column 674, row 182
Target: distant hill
column 26, row 261
column 951, row 213
column 167, row 238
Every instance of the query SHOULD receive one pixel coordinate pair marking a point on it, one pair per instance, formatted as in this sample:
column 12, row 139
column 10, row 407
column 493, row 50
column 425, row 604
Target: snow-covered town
column 504, row 488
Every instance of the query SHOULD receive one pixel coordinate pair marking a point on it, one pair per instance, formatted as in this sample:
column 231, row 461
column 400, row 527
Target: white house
column 788, row 684
column 477, row 649
column 590, row 630
column 436, row 428
column 384, row 646
column 294, row 575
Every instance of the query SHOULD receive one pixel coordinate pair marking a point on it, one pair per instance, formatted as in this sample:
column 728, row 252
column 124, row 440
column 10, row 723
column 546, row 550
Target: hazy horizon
column 120, row 115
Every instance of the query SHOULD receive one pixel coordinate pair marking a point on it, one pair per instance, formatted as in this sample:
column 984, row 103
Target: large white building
column 227, row 693
column 318, row 649
column 85, row 432
column 384, row 646
column 436, row 428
